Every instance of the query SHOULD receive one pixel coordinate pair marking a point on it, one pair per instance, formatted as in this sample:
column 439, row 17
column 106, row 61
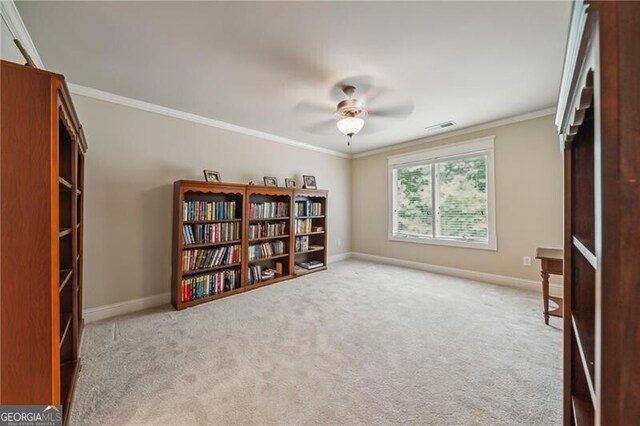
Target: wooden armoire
column 599, row 124
column 41, row 227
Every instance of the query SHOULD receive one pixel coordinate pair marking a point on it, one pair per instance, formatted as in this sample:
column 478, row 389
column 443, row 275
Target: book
column 203, row 259
column 265, row 229
column 312, row 264
column 200, row 286
column 268, row 210
column 211, row 232
column 208, row 210
column 261, row 251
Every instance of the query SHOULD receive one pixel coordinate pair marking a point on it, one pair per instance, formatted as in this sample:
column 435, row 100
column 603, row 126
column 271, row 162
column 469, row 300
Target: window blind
column 444, row 198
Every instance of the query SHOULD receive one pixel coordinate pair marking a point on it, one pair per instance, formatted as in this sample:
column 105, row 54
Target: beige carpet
column 359, row 343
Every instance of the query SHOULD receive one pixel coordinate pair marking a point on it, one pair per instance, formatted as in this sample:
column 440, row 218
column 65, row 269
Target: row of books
column 308, row 208
column 259, row 274
column 260, row 251
column 210, row 284
column 302, row 243
column 261, row 230
column 303, row 226
column 211, row 232
column 193, row 260
column 208, row 210
column 268, row 210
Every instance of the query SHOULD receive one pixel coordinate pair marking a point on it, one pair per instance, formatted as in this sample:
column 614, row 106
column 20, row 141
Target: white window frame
column 434, row 155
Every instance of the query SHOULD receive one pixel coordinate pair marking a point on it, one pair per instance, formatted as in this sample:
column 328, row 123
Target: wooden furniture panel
column 39, row 243
column 599, row 127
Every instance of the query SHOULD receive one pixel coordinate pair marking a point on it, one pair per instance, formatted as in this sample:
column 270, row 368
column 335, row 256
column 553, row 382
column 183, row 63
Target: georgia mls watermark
column 30, row 415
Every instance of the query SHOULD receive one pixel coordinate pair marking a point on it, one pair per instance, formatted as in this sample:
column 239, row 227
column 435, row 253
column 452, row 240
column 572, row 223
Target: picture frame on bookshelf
column 290, row 182
column 309, row 182
column 270, row 181
column 212, row 176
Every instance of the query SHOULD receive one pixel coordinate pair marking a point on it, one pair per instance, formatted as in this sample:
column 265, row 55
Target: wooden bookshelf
column 279, row 215
column 42, row 167
column 311, row 225
column 268, row 228
column 219, row 231
column 598, row 126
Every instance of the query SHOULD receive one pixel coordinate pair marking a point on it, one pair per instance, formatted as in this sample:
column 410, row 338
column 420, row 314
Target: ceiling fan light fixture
column 350, row 126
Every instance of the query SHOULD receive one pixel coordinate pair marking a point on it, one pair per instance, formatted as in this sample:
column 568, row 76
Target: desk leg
column 545, row 294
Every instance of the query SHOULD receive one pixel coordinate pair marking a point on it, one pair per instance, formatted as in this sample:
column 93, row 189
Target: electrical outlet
column 526, row 261
column 339, row 242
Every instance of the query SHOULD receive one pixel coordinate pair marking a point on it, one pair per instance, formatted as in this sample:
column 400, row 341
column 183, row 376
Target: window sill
column 491, row 245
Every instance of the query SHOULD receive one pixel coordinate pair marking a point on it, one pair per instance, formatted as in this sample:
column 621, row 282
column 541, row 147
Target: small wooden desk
column 551, row 263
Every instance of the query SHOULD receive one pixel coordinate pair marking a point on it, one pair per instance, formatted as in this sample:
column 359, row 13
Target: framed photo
column 309, row 182
column 212, row 176
column 270, row 181
column 289, row 183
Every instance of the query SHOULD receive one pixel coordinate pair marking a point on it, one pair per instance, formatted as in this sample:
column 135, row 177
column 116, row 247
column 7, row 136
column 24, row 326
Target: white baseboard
column 554, row 289
column 129, row 306
column 121, row 308
column 338, row 257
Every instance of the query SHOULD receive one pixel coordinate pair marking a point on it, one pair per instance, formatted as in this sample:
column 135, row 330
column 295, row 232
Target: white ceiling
column 261, row 64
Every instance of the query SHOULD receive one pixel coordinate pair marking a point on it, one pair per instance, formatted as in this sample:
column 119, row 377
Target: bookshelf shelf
column 301, row 272
column 584, row 344
column 264, row 259
column 275, row 237
column 217, row 296
column 192, row 200
column 219, row 243
column 584, row 251
column 276, row 279
column 64, row 232
column 65, row 324
column 311, row 250
column 65, row 184
column 65, row 277
column 196, row 222
column 215, row 268
column 267, row 219
column 310, row 217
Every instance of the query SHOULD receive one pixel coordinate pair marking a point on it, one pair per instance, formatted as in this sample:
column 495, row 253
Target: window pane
column 414, row 203
column 462, row 199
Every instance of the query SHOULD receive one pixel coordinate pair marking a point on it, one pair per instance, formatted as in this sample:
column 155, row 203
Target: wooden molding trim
column 466, row 130
column 170, row 112
column 16, row 26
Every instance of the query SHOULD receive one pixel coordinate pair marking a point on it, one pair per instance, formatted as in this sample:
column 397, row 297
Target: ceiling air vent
column 440, row 126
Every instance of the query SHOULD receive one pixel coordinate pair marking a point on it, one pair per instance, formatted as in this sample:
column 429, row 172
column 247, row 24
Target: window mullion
column 435, row 222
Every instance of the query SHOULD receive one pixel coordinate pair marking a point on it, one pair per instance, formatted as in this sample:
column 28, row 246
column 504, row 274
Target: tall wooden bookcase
column 41, row 222
column 310, row 223
column 265, row 219
column 600, row 133
column 206, row 224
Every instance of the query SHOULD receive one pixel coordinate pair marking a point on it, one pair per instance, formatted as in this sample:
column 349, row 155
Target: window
column 444, row 196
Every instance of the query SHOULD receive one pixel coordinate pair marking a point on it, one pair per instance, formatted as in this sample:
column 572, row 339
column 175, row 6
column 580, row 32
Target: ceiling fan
column 376, row 108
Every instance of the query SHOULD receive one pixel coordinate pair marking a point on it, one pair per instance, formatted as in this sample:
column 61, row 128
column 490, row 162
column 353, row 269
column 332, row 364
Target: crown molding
column 450, row 134
column 170, row 112
column 18, row 30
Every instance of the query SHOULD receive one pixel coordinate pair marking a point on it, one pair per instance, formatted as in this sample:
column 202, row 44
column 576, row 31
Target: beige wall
column 528, row 172
column 8, row 49
column 135, row 156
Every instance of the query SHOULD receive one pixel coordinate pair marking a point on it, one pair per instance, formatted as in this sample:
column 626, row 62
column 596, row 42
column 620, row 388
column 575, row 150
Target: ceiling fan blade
column 322, row 128
column 313, row 109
